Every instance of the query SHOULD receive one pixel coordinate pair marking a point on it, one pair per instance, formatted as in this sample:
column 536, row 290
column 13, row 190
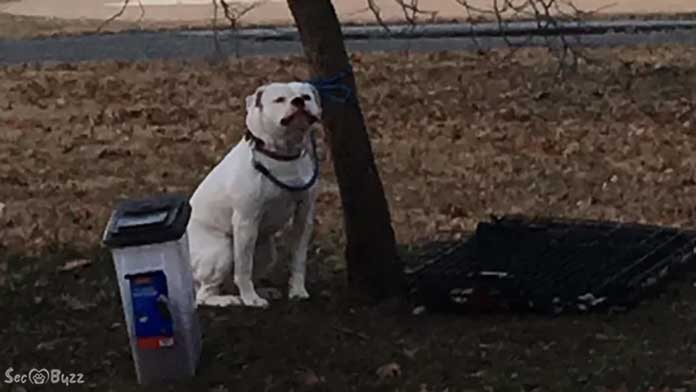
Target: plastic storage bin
column 149, row 245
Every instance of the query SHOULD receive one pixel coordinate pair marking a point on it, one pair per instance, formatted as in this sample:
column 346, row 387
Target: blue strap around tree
column 334, row 88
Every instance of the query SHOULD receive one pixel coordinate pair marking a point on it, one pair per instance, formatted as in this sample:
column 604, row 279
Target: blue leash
column 333, row 88
column 280, row 184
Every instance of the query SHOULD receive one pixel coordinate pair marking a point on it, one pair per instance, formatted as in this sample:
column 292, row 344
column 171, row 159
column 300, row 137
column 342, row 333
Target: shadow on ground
column 72, row 321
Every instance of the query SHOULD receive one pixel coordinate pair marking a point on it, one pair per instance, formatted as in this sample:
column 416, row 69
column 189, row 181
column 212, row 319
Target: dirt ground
column 457, row 137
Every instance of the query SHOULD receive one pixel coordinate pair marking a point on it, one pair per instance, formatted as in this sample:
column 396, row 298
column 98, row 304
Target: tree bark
column 373, row 265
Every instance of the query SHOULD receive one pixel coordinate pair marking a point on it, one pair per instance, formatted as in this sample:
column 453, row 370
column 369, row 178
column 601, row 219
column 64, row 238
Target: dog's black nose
column 297, row 102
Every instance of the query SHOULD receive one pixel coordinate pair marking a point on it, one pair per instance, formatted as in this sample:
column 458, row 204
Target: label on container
column 154, row 327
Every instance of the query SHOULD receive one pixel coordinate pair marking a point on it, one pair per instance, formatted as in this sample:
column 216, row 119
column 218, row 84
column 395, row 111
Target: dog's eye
column 307, row 97
column 279, row 100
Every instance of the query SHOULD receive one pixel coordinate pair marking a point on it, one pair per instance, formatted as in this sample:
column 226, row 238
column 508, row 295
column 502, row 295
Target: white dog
column 265, row 182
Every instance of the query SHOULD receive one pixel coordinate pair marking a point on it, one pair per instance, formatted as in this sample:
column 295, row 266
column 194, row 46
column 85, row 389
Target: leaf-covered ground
column 457, row 138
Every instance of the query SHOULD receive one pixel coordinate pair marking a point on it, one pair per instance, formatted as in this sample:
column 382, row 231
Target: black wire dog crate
column 552, row 265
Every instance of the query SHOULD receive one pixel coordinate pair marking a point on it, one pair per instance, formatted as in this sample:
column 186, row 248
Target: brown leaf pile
column 457, row 137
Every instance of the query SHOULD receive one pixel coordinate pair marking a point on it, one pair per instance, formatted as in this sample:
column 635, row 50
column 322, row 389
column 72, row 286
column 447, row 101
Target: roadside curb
column 190, row 44
column 464, row 30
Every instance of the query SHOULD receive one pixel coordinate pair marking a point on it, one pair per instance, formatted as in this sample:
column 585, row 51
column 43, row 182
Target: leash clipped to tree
column 333, row 89
column 328, row 87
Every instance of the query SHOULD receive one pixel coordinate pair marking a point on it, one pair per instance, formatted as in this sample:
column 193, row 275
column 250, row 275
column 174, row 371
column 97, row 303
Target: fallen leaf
column 572, row 148
column 50, row 345
column 74, row 264
column 308, row 377
column 351, row 332
column 410, row 353
column 418, row 310
column 76, row 304
column 621, row 388
column 390, row 370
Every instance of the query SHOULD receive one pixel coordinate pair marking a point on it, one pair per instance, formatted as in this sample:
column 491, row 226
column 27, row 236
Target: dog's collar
column 275, row 180
column 259, row 145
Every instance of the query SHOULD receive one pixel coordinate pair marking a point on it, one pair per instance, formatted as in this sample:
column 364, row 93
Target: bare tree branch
column 545, row 13
column 142, row 11
column 117, row 15
column 377, row 13
column 233, row 13
column 412, row 11
column 120, row 13
column 216, row 35
column 576, row 12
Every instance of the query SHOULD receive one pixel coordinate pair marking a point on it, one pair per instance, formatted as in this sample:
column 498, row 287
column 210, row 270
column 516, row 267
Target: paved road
column 135, row 46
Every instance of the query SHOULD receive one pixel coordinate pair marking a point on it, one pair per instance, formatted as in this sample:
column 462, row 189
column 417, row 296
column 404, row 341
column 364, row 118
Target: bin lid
column 148, row 221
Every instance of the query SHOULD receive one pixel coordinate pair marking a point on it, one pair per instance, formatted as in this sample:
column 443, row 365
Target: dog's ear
column 254, row 100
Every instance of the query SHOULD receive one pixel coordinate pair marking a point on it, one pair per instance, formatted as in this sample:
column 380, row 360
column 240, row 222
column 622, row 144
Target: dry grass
column 457, row 137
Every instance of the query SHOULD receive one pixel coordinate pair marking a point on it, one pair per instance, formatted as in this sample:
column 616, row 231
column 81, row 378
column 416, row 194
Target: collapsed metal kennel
column 551, row 265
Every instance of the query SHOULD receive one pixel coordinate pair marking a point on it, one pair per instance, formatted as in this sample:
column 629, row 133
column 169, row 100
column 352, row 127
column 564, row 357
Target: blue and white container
column 149, row 245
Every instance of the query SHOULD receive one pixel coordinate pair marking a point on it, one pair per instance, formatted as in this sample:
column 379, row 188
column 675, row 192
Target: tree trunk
column 373, row 266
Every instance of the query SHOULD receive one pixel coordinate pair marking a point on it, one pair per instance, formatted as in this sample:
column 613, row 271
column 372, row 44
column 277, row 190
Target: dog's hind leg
column 212, row 260
column 265, row 257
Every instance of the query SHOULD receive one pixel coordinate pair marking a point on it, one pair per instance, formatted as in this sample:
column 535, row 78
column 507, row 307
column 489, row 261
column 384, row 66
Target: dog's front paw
column 297, row 288
column 220, row 301
column 253, row 300
column 298, row 293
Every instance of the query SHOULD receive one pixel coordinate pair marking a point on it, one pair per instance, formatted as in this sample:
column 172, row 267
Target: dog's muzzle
column 311, row 119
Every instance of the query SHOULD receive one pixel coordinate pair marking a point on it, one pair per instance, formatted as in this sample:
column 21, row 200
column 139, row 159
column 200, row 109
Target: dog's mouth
column 300, row 118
